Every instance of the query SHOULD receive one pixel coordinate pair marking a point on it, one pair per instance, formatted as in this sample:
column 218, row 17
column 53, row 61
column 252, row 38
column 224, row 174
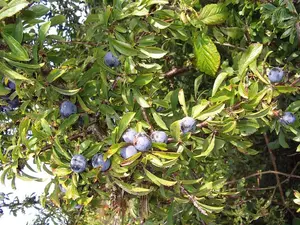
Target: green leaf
column 211, row 112
column 114, row 148
column 159, row 181
column 282, row 140
column 157, row 23
column 46, row 126
column 175, row 130
column 59, row 19
column 24, row 65
column 293, row 107
column 10, row 73
column 132, row 189
column 207, row 55
column 143, row 79
column 166, row 155
column 12, row 8
column 158, row 120
column 213, row 14
column 220, row 78
column 4, row 90
column 131, row 159
column 16, row 48
column 61, row 171
column 61, row 150
column 248, row 57
column 55, row 74
column 66, row 92
column 153, row 52
column 123, row 48
column 286, row 89
column 209, row 144
column 68, row 122
column 123, row 124
column 197, row 109
column 140, row 99
column 259, row 114
column 43, row 31
column 181, row 100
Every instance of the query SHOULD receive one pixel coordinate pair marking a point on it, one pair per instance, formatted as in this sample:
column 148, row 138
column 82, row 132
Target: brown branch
column 146, row 118
column 193, row 200
column 80, row 42
column 230, row 45
column 297, row 25
column 176, row 71
column 262, row 173
column 73, row 137
column 273, row 159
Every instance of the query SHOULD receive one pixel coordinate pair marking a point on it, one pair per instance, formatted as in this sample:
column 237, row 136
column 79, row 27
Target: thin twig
column 262, row 173
column 146, row 118
column 176, row 71
column 229, row 45
column 273, row 159
column 193, row 200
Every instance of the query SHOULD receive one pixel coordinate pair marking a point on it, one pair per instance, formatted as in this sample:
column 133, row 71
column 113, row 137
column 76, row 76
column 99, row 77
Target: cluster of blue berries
column 276, row 75
column 137, row 142
column 11, row 104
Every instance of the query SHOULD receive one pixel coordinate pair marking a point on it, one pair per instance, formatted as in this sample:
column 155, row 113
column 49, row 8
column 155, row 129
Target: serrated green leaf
column 211, row 112
column 12, row 8
column 213, row 14
column 123, row 48
column 207, row 55
column 158, row 120
column 220, row 78
column 16, row 48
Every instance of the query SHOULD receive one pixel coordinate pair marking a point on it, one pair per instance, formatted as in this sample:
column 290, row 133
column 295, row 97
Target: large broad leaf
column 213, row 14
column 248, row 57
column 12, row 8
column 207, row 55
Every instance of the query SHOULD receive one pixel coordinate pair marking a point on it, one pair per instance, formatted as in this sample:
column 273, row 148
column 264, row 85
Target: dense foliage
column 85, row 85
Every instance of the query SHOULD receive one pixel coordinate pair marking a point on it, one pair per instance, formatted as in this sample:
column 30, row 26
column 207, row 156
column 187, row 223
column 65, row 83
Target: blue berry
column 275, row 74
column 15, row 103
column 187, row 124
column 287, row 118
column 8, row 83
column 1, row 211
column 67, row 108
column 110, row 60
column 5, row 108
column 78, row 163
column 159, row 136
column 97, row 161
column 128, row 136
column 128, row 151
column 142, row 142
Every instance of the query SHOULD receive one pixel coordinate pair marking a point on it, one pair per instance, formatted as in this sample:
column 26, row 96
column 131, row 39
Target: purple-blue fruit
column 128, row 135
column 142, row 142
column 1, row 211
column 97, row 161
column 5, row 108
column 275, row 74
column 78, row 206
column 78, row 163
column 287, row 118
column 110, row 60
column 15, row 103
column 8, row 83
column 62, row 189
column 188, row 124
column 128, row 151
column 67, row 108
column 159, row 137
